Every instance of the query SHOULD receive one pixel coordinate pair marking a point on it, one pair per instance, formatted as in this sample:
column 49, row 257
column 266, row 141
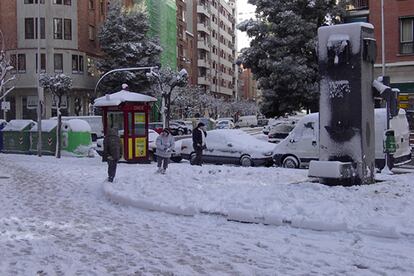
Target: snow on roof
column 47, row 125
column 122, row 96
column 17, row 125
column 352, row 30
column 77, row 125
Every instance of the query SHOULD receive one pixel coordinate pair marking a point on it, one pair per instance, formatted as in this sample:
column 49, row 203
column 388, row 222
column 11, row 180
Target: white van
column 302, row 144
column 246, row 121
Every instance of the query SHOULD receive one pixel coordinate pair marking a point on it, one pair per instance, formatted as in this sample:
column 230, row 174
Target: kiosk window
column 139, row 121
column 116, row 119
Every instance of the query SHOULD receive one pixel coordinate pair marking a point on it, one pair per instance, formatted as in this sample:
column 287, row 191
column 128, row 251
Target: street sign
column 5, row 106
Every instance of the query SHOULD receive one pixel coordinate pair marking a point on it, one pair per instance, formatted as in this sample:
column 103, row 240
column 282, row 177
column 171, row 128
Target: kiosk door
column 136, row 135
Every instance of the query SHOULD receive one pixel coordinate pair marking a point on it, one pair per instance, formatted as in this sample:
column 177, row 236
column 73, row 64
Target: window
column 60, row 2
column 33, row 1
column 77, row 64
column 68, row 29
column 58, row 63
column 102, row 6
column 29, row 28
column 57, row 28
column 42, row 63
column 21, row 63
column 407, row 36
column 91, row 4
column 91, row 32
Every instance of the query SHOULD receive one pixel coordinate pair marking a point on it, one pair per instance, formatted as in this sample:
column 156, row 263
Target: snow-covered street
column 60, row 217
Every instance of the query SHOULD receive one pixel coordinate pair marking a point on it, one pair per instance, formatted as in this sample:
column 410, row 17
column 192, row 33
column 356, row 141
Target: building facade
column 215, row 33
column 398, row 44
column 67, row 43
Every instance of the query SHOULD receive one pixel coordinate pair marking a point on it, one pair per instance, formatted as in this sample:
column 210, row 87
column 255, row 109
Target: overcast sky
column 244, row 11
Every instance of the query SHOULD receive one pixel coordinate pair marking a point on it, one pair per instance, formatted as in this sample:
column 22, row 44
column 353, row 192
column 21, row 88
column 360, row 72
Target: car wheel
column 246, row 161
column 180, row 132
column 176, row 159
column 290, row 162
column 192, row 158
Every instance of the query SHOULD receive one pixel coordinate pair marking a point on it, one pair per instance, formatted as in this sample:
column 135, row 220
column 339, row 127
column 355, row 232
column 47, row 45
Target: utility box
column 346, row 123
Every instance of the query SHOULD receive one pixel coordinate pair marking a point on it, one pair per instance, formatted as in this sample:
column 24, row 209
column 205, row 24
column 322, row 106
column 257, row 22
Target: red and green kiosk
column 128, row 112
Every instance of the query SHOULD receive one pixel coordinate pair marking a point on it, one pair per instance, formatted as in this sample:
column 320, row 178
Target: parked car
column 262, row 122
column 246, row 121
column 224, row 124
column 226, row 118
column 302, row 144
column 274, row 122
column 185, row 124
column 280, row 132
column 156, row 126
column 178, row 129
column 231, row 146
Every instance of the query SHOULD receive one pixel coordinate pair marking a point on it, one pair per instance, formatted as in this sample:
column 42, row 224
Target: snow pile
column 17, row 125
column 122, row 96
column 76, row 125
column 47, row 126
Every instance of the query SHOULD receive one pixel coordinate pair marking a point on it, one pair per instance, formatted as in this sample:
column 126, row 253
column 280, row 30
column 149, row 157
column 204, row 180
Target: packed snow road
column 55, row 220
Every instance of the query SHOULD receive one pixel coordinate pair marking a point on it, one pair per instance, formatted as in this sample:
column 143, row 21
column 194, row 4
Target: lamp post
column 39, row 89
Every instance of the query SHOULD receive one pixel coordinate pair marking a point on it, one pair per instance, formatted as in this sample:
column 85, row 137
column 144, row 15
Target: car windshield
column 223, row 123
column 282, row 128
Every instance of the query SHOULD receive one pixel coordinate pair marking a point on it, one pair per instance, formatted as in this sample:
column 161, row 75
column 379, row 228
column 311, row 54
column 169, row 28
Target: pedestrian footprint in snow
column 112, row 152
column 165, row 145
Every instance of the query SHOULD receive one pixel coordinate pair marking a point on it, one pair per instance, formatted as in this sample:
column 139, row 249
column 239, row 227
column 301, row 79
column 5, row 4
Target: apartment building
column 398, row 43
column 68, row 45
column 216, row 46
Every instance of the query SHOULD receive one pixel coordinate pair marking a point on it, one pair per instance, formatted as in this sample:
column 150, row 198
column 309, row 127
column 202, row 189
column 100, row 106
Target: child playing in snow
column 165, row 145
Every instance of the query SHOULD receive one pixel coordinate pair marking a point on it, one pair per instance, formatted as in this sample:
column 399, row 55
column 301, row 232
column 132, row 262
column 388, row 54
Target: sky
column 244, row 11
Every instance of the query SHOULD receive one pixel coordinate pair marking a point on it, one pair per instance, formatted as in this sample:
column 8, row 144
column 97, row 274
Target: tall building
column 68, row 45
column 214, row 28
column 398, row 46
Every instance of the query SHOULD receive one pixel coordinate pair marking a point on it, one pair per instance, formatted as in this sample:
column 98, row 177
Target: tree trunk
column 59, row 128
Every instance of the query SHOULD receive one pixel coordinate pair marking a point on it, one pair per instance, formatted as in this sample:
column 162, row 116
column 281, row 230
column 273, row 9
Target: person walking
column 112, row 152
column 199, row 143
column 165, row 145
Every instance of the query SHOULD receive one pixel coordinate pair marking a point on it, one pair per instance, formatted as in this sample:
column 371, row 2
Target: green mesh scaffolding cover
column 163, row 24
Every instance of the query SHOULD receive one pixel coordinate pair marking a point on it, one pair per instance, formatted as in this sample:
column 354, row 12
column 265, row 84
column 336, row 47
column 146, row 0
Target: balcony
column 203, row 63
column 203, row 81
column 358, row 5
column 203, row 9
column 203, row 44
column 201, row 27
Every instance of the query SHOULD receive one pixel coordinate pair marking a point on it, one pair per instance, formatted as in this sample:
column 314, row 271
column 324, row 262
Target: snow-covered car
column 186, row 125
column 178, row 129
column 280, row 132
column 231, row 146
column 224, row 124
column 152, row 137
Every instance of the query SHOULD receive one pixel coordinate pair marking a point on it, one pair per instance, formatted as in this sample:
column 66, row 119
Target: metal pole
column 39, row 100
column 382, row 38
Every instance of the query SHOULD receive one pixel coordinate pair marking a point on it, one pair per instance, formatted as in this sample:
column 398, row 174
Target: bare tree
column 59, row 85
column 5, row 68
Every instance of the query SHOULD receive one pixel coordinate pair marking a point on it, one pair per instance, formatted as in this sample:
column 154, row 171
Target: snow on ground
column 60, row 217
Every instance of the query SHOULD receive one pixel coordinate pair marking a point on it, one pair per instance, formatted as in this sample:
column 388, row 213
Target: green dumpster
column 16, row 136
column 76, row 138
column 48, row 137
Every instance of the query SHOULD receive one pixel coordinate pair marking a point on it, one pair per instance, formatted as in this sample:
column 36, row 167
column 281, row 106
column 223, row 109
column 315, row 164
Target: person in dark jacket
column 112, row 151
column 165, row 145
column 199, row 143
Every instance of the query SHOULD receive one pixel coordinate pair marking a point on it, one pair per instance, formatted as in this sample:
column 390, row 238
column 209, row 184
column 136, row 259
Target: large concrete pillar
column 346, row 58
